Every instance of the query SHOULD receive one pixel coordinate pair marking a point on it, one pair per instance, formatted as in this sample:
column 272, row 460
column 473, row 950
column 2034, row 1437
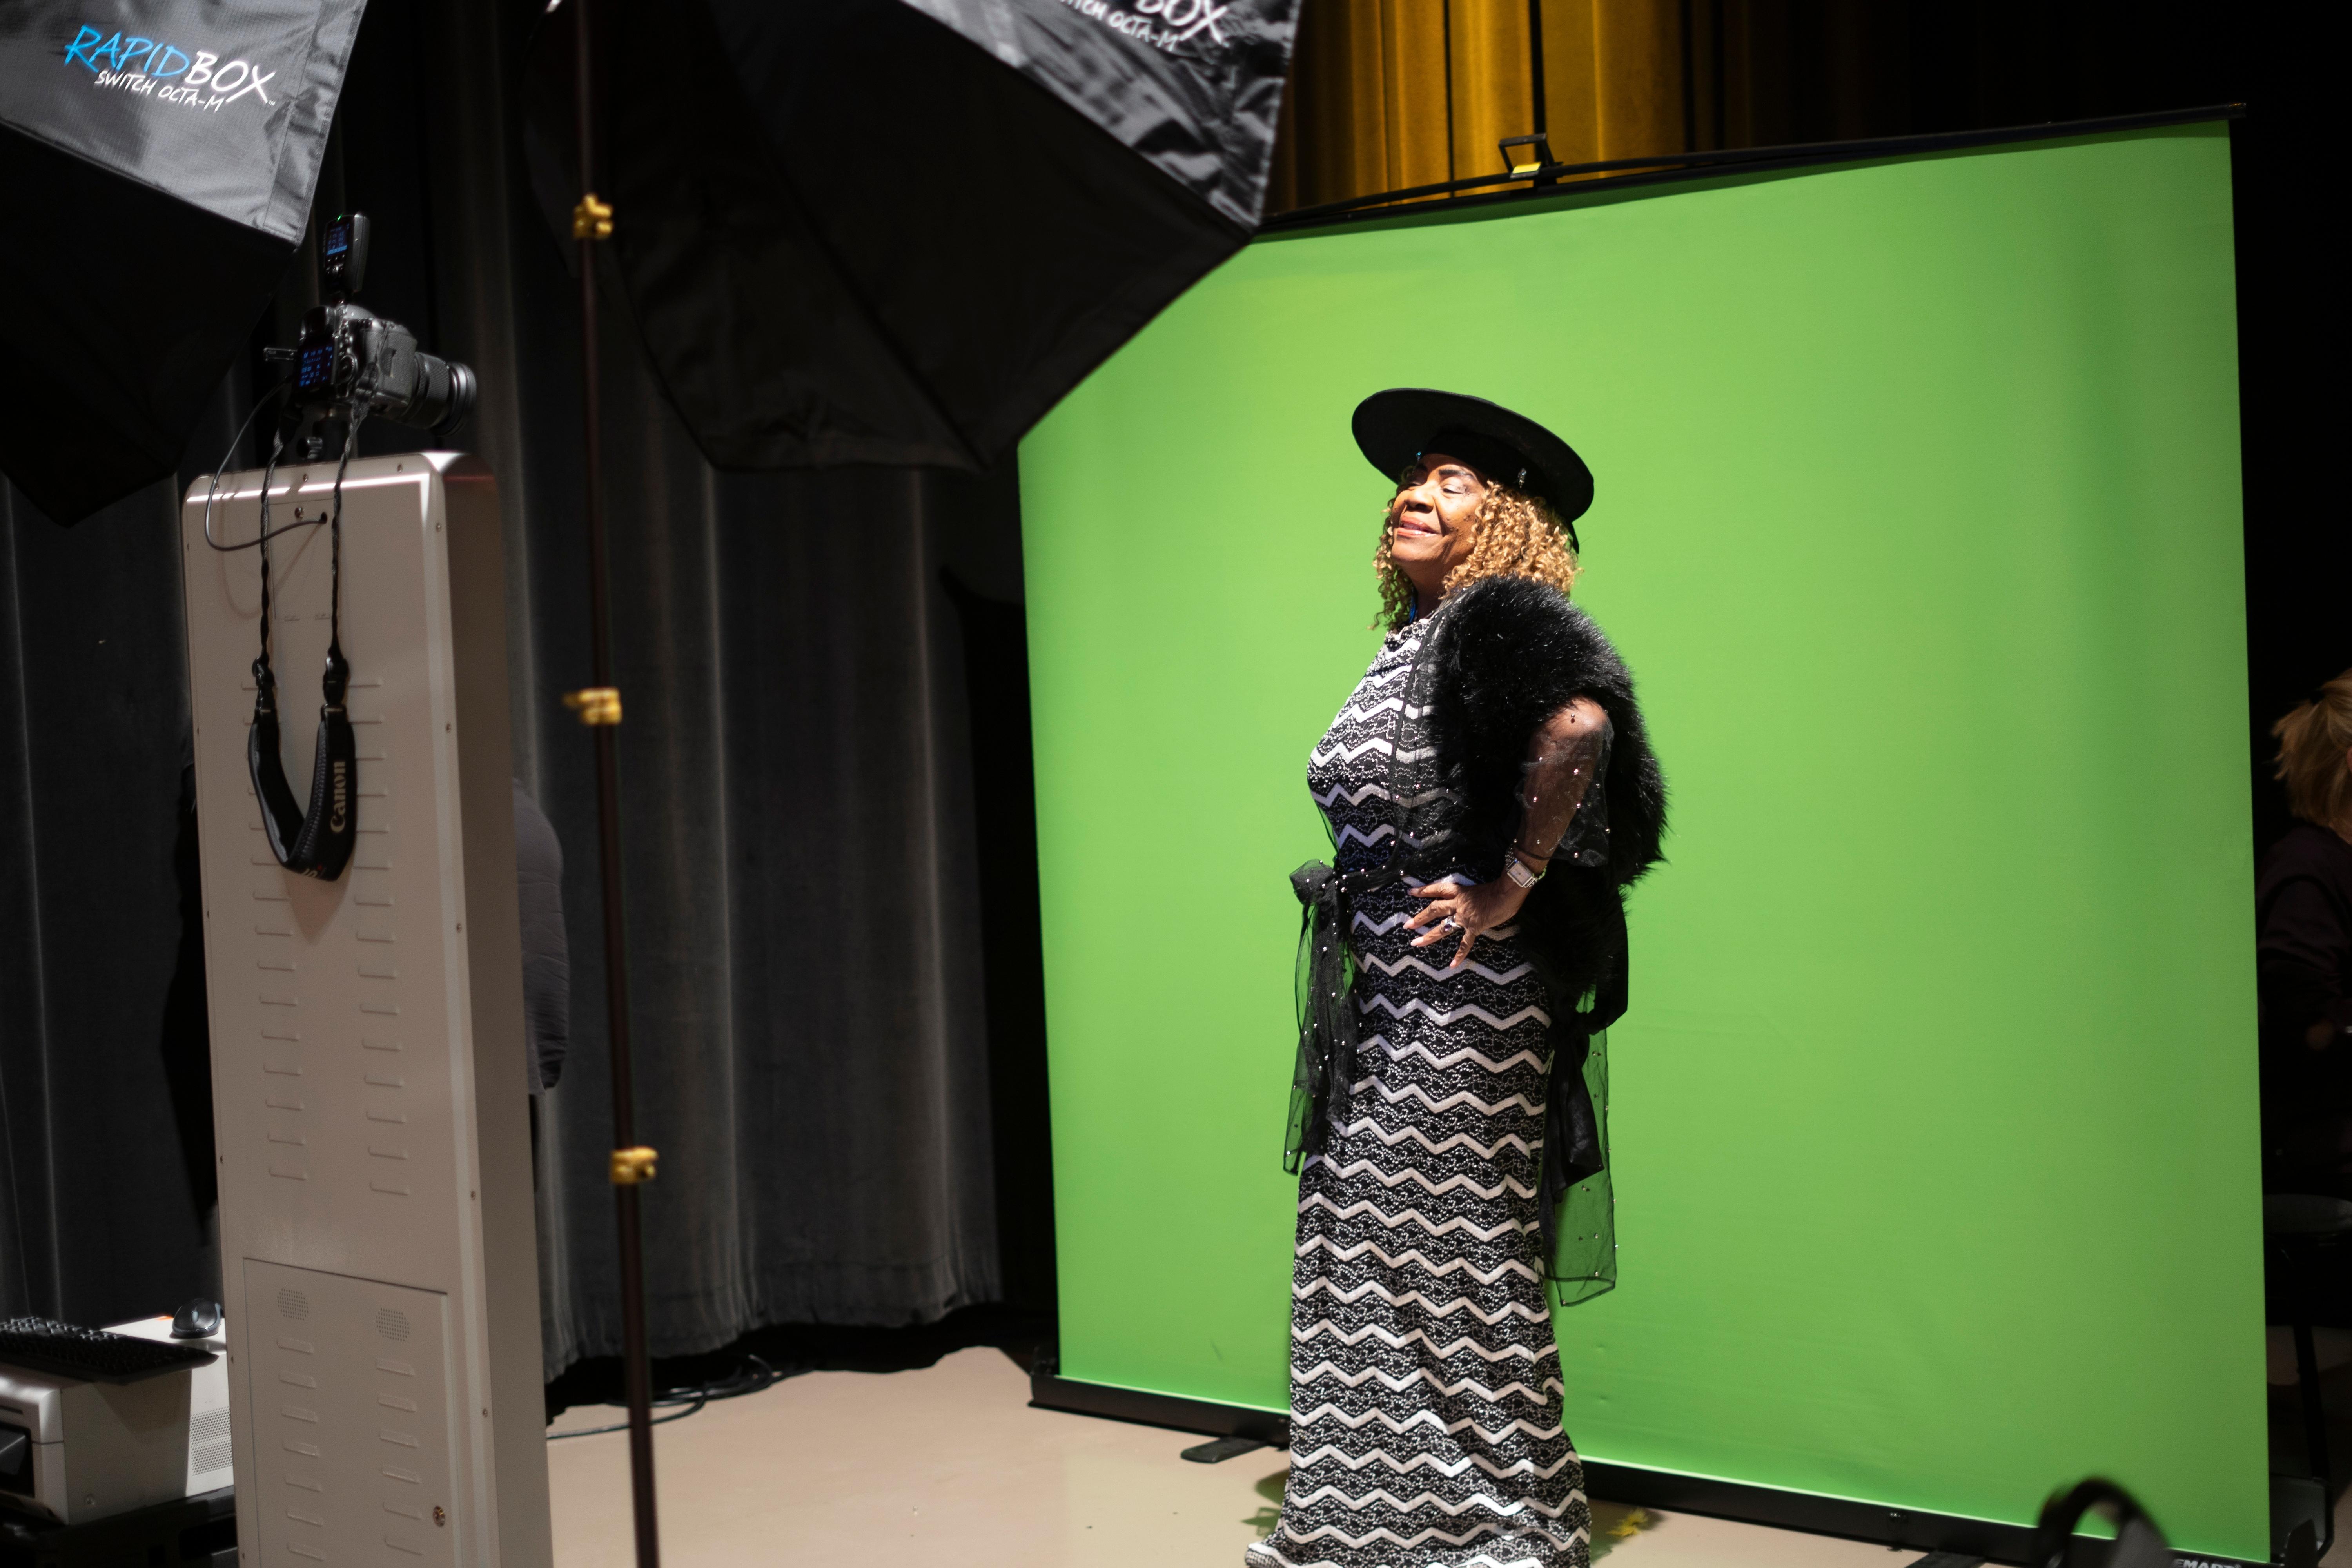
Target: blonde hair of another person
column 2315, row 756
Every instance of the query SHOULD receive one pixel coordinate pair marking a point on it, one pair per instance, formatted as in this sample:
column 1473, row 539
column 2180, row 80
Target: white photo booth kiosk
column 369, row 1069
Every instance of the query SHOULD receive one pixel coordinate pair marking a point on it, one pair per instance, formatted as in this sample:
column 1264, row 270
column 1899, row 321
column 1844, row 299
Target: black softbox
column 897, row 231
column 156, row 164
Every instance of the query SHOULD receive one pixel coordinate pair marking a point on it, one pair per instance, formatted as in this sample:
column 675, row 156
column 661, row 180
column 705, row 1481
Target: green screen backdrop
column 1918, row 523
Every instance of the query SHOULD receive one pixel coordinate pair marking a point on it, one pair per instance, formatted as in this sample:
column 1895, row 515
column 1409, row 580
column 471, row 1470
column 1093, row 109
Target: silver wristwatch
column 1517, row 870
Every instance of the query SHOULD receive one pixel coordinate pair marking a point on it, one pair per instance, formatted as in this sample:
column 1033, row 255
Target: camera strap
column 315, row 841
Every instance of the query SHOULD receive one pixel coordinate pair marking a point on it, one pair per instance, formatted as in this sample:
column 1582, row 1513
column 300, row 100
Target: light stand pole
column 599, row 707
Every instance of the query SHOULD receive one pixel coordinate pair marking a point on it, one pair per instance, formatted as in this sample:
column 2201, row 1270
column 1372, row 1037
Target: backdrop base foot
column 1218, row 1451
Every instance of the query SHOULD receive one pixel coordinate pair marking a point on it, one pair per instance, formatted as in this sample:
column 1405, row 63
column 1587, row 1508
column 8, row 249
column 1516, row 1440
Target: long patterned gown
column 1425, row 1388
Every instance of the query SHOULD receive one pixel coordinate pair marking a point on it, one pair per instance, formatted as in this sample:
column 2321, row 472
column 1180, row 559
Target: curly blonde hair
column 2312, row 739
column 1514, row 536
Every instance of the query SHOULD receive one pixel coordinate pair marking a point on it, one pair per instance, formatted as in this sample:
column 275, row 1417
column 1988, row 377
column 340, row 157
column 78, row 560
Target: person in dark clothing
column 2304, row 909
column 546, row 956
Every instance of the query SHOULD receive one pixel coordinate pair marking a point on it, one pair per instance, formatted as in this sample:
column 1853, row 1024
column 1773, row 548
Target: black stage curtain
column 105, row 1206
column 829, row 852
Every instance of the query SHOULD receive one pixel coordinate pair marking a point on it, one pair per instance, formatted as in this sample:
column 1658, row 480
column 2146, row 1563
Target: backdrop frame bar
column 1907, row 1529
column 1540, row 183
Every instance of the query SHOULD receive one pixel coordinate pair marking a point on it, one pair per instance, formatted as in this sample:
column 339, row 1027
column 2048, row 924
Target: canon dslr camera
column 351, row 364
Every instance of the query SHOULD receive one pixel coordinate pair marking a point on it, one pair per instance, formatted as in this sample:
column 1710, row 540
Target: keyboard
column 93, row 1356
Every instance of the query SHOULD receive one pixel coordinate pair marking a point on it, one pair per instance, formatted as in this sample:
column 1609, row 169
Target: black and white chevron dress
column 1425, row 1388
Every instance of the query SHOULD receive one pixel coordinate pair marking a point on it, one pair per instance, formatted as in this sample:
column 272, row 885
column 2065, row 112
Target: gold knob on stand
column 595, row 704
column 592, row 219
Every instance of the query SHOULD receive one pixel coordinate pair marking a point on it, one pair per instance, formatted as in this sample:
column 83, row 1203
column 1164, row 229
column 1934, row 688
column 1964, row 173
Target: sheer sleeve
column 1564, row 818
column 1564, row 808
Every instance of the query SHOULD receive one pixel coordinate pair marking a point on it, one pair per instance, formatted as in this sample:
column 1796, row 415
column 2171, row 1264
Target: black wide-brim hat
column 1394, row 427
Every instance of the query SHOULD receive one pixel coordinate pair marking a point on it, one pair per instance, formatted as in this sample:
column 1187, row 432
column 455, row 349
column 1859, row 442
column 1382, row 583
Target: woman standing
column 1489, row 792
column 2304, row 902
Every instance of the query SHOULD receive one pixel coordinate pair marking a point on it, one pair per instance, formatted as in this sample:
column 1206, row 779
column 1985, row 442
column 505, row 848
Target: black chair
column 2137, row 1543
column 2304, row 1233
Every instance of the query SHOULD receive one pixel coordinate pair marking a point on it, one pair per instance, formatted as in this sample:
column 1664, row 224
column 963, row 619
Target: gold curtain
column 1385, row 94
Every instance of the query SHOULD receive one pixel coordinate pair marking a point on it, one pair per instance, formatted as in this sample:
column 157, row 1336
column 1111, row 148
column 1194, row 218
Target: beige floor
column 949, row 1466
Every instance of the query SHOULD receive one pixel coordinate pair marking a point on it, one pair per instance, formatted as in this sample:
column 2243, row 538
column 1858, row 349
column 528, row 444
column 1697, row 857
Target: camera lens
column 446, row 397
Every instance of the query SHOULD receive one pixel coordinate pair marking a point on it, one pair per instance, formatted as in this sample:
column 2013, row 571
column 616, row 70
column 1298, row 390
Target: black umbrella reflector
column 156, row 162
column 897, row 231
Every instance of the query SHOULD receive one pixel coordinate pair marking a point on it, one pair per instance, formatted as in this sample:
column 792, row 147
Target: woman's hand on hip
column 1467, row 912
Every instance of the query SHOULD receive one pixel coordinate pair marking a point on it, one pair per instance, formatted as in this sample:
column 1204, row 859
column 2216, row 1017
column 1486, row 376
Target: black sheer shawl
column 1503, row 656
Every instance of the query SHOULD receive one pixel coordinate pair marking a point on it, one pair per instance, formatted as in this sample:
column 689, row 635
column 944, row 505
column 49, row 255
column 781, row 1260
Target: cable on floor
column 751, row 1377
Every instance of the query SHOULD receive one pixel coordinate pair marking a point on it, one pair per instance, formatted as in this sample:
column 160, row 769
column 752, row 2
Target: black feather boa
column 1510, row 653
